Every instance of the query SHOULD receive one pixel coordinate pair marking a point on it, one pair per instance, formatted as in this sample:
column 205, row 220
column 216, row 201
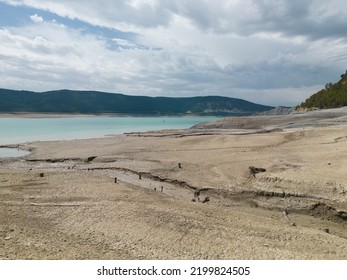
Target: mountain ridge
column 97, row 102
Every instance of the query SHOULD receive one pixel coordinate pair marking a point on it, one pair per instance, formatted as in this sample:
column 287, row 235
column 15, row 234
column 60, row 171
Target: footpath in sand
column 182, row 194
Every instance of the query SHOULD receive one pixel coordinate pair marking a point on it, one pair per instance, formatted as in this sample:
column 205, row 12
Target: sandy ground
column 297, row 209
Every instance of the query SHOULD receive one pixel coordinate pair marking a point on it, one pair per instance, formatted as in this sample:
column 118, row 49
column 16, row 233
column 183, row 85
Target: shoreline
column 324, row 112
column 67, row 115
column 24, row 128
column 180, row 195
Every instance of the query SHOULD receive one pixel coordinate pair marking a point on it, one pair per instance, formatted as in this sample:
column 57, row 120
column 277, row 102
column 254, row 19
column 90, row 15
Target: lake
column 6, row 152
column 19, row 130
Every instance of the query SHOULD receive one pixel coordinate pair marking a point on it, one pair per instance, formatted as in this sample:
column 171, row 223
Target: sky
column 272, row 52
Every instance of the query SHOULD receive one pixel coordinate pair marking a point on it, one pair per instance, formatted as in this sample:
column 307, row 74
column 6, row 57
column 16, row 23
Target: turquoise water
column 19, row 130
column 5, row 152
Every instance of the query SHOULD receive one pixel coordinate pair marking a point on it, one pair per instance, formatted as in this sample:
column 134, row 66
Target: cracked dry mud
column 76, row 210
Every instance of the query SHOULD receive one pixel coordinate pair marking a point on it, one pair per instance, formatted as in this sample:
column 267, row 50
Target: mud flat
column 247, row 188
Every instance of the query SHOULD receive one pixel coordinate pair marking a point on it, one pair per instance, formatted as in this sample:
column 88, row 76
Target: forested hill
column 333, row 96
column 91, row 102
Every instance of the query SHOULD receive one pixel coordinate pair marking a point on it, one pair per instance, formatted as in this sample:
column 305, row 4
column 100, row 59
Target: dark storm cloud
column 314, row 19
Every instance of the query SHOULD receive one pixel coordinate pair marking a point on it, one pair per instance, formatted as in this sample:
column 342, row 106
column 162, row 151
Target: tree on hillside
column 334, row 95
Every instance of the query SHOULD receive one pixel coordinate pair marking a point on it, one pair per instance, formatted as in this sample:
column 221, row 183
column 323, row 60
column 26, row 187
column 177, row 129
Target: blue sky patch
column 17, row 16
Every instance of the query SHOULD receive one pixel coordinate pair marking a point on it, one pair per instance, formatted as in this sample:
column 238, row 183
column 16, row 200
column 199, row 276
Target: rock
column 89, row 159
column 254, row 170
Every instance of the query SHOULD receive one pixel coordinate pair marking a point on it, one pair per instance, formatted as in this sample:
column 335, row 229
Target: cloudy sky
column 274, row 52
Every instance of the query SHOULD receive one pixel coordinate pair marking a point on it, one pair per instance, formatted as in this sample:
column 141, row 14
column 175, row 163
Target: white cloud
column 267, row 51
column 291, row 17
column 36, row 18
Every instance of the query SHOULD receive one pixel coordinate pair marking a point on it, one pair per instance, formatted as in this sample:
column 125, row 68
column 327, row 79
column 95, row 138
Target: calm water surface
column 6, row 152
column 19, row 130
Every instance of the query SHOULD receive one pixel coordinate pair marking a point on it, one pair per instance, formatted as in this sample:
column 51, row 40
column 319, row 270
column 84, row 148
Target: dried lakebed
column 140, row 196
column 296, row 209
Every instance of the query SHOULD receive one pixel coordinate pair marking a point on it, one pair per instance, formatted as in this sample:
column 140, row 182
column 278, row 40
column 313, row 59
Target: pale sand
column 73, row 213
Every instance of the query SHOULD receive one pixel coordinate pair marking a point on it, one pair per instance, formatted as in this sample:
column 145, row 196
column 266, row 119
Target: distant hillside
column 333, row 96
column 91, row 102
column 280, row 110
